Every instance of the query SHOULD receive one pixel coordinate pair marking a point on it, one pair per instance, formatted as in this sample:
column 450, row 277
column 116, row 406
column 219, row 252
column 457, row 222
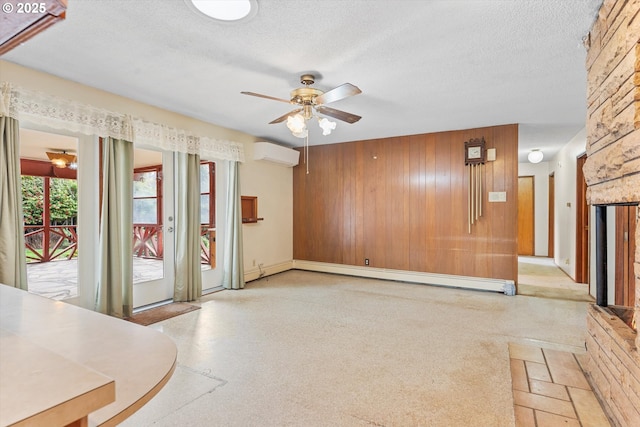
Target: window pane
column 204, row 209
column 204, row 178
column 145, row 211
column 145, row 184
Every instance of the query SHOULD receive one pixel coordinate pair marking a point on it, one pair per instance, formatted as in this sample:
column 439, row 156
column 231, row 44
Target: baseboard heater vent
column 506, row 287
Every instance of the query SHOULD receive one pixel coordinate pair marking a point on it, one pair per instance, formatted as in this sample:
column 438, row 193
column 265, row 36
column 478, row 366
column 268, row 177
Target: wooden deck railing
column 48, row 243
column 147, row 241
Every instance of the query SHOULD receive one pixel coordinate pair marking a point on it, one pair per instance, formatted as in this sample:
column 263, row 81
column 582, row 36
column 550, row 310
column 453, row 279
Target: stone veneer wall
column 612, row 169
column 613, row 366
column 612, row 172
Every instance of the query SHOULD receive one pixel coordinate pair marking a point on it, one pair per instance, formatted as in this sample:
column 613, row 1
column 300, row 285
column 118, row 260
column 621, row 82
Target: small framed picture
column 475, row 151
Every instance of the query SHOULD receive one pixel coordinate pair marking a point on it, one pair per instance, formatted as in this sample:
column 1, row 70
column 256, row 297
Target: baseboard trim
column 476, row 283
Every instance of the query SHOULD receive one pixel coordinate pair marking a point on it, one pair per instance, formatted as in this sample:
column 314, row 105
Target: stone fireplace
column 612, row 173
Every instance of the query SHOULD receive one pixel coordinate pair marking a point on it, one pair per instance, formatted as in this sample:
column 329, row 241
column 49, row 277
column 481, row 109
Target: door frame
column 582, row 224
column 552, row 216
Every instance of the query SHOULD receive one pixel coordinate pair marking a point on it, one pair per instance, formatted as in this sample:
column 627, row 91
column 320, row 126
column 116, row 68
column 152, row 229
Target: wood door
column 626, row 221
column 582, row 224
column 526, row 228
column 552, row 216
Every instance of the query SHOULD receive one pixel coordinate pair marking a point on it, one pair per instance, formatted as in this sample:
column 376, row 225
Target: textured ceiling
column 423, row 66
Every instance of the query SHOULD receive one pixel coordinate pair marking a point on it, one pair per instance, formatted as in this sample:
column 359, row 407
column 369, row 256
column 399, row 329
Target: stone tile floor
column 58, row 280
column 550, row 389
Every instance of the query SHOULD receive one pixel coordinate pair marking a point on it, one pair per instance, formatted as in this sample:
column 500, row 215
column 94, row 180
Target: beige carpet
column 154, row 315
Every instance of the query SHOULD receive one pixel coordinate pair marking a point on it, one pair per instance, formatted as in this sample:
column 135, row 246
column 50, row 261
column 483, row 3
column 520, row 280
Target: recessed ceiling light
column 226, row 10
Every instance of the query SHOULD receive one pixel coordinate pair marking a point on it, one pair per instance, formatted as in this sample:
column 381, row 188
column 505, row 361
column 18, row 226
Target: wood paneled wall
column 402, row 203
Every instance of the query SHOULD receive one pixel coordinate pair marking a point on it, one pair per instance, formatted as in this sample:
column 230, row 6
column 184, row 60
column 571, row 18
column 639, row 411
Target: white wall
column 564, row 167
column 268, row 244
column 270, row 241
column 540, row 173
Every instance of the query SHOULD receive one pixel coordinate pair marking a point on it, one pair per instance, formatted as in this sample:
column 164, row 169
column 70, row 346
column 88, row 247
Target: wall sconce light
column 535, row 156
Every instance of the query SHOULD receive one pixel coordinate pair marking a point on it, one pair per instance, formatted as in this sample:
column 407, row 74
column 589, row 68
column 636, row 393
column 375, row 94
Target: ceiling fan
column 310, row 100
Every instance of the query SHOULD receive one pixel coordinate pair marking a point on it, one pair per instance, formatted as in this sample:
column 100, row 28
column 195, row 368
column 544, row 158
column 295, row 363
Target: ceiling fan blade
column 338, row 93
column 283, row 118
column 337, row 114
column 266, row 97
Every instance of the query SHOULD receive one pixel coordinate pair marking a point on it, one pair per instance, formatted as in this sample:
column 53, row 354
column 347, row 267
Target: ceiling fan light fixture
column 226, row 10
column 59, row 163
column 535, row 156
column 326, row 125
column 296, row 124
column 302, row 134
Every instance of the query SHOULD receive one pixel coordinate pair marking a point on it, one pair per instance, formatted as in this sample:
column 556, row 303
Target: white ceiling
column 422, row 65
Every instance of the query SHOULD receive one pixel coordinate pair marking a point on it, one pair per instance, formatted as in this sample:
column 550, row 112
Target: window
column 147, row 196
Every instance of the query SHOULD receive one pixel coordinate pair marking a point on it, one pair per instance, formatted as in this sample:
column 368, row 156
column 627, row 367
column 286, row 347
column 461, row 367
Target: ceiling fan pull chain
column 306, row 152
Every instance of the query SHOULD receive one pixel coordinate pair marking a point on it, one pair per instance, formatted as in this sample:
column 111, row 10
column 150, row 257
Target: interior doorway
column 526, row 216
column 582, row 224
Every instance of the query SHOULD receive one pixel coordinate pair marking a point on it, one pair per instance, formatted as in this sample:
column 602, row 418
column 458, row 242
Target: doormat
column 167, row 311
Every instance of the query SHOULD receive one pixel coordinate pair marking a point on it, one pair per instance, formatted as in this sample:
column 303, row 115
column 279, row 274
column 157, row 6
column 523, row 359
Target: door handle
column 170, row 230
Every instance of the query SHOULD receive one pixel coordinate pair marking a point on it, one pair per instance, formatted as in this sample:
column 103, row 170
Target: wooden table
column 61, row 364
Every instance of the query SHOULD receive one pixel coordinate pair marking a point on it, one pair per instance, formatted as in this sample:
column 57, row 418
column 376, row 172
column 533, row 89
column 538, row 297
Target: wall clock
column 475, row 151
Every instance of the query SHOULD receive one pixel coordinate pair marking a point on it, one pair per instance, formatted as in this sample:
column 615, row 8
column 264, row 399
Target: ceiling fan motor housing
column 305, row 95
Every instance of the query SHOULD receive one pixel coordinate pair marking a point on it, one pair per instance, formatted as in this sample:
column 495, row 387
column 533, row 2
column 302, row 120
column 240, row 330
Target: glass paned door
column 207, row 216
column 153, row 239
column 212, row 214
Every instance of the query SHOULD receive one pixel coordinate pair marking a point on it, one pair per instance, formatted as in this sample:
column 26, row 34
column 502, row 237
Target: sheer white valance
column 64, row 114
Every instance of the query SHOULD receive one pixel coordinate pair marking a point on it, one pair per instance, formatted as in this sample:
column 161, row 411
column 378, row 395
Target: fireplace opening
column 626, row 220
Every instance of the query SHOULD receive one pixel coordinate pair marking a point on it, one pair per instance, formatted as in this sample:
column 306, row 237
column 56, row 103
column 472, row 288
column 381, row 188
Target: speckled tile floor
column 312, row 349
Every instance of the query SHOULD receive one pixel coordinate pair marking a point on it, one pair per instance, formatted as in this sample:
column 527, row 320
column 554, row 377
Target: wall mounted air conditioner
column 275, row 153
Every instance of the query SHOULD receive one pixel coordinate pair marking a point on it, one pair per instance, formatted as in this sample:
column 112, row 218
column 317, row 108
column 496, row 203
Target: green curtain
column 188, row 273
column 13, row 266
column 233, row 264
column 114, row 293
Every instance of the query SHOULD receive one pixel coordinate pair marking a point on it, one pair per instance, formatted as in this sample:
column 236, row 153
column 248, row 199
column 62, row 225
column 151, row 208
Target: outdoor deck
column 58, row 280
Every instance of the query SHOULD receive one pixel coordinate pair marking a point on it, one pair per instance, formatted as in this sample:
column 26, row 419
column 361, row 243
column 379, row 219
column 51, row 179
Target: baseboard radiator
column 506, row 287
